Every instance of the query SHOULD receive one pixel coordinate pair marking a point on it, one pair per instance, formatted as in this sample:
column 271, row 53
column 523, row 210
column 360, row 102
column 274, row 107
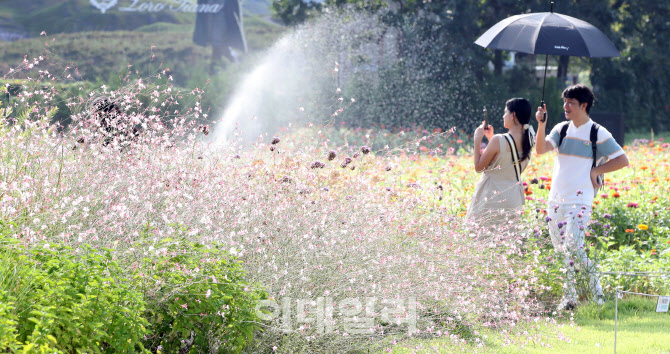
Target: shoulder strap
column 515, row 155
column 594, row 141
column 564, row 132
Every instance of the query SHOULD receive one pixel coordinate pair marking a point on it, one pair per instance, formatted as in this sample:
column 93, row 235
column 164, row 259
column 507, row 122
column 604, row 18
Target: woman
column 500, row 189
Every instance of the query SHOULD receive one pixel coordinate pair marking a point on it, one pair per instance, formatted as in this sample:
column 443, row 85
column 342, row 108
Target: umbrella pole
column 544, row 83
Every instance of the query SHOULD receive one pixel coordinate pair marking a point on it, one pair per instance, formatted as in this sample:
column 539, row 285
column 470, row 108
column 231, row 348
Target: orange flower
column 644, row 167
column 630, row 231
column 616, row 195
column 528, row 192
column 653, row 252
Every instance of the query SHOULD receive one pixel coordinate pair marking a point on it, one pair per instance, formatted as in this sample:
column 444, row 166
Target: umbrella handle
column 544, row 118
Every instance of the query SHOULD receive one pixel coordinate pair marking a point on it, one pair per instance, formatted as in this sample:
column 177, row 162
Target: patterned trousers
column 567, row 230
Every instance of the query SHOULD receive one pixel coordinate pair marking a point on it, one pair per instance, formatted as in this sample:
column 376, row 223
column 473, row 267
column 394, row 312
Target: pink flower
column 209, row 293
column 185, row 306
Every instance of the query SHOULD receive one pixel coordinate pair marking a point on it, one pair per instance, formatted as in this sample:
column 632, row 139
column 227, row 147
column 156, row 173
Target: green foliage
column 628, row 258
column 636, row 83
column 293, row 12
column 58, row 109
column 94, row 59
column 97, row 54
column 66, row 98
column 623, row 230
column 548, row 270
column 633, row 84
column 197, row 299
column 54, row 297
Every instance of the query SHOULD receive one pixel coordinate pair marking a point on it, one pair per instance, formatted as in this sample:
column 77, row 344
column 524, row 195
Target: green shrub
column 71, row 301
column 627, row 260
column 198, row 300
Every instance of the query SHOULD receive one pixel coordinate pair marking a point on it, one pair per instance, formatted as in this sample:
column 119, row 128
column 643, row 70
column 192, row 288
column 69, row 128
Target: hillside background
column 102, row 47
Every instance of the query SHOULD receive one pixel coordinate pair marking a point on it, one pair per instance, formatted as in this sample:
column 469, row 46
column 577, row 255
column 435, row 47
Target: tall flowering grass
column 306, row 216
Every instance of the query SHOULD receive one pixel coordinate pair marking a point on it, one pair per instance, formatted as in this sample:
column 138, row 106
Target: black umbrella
column 548, row 33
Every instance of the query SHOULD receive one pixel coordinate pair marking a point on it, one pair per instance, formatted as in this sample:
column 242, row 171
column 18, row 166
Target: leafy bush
column 652, row 267
column 55, row 298
column 197, row 299
column 69, row 300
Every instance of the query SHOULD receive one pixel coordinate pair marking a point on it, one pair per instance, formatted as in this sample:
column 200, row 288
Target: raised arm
column 483, row 159
column 542, row 144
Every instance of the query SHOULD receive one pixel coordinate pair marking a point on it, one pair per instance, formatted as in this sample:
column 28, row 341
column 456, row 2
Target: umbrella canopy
column 548, row 33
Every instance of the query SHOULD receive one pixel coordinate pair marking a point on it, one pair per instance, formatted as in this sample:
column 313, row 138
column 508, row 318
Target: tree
column 436, row 37
column 636, row 83
column 293, row 12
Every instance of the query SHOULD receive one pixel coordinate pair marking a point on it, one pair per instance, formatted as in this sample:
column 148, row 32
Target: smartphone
column 486, row 118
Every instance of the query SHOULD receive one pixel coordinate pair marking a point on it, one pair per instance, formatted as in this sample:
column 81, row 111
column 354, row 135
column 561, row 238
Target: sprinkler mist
column 302, row 74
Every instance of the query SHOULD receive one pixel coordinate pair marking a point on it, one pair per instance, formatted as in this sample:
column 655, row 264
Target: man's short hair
column 582, row 94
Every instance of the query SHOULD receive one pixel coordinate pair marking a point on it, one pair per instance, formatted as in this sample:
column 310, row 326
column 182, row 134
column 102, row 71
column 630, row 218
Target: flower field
column 315, row 238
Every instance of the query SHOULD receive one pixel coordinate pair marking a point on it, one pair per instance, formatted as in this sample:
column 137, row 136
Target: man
column 574, row 183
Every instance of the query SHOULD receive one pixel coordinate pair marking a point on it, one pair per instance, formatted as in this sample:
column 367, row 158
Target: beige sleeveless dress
column 498, row 195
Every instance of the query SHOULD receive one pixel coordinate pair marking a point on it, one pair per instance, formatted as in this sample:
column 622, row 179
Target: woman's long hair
column 521, row 107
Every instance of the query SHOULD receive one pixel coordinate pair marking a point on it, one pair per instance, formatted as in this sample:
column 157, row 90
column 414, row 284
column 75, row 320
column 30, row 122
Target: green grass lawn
column 640, row 330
